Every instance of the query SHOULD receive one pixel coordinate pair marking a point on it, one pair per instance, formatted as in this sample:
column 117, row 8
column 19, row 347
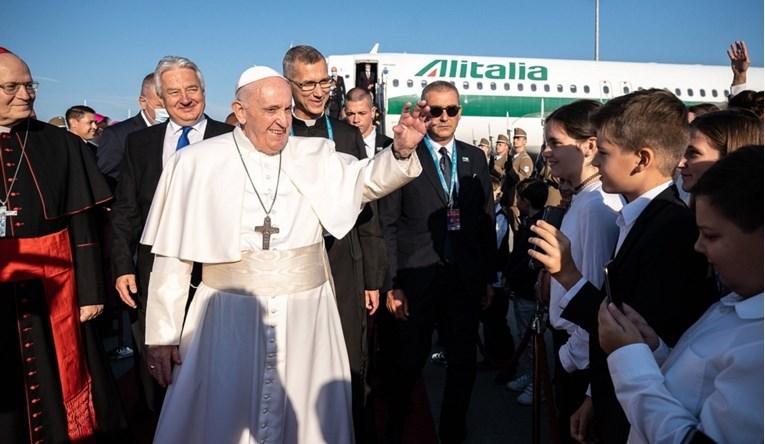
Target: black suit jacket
column 656, row 272
column 139, row 174
column 111, row 146
column 381, row 142
column 414, row 219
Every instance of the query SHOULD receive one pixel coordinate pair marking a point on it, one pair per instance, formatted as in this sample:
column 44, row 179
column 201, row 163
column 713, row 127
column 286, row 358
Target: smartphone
column 553, row 216
column 609, row 294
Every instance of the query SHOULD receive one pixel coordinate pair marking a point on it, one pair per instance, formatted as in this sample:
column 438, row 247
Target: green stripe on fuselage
column 493, row 106
column 497, row 106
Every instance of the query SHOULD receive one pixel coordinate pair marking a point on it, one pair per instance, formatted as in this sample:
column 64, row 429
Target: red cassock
column 49, row 267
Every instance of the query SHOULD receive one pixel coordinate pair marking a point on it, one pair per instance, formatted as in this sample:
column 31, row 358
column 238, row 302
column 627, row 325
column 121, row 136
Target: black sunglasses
column 451, row 110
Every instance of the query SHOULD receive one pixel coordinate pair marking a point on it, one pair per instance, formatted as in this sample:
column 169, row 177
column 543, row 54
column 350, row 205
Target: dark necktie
column 446, row 167
column 184, row 139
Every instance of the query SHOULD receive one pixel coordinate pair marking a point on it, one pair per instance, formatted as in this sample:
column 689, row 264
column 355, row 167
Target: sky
column 98, row 52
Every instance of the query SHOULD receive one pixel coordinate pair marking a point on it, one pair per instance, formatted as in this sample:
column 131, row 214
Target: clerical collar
column 5, row 129
column 308, row 122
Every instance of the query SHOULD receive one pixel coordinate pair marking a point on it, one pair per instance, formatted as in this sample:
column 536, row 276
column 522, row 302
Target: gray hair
column 303, row 54
column 168, row 63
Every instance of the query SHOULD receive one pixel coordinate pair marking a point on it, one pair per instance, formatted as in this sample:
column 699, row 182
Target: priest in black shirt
column 358, row 260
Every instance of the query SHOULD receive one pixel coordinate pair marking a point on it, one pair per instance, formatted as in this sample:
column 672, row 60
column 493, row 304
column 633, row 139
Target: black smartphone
column 609, row 295
column 553, row 216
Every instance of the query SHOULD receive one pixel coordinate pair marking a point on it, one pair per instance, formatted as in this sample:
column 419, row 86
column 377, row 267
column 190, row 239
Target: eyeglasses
column 11, row 88
column 451, row 110
column 310, row 85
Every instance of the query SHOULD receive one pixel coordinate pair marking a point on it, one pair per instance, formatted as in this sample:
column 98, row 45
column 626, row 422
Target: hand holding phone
column 609, row 295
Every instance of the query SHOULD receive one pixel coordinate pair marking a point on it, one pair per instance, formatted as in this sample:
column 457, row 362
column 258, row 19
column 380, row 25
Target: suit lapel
column 464, row 169
column 429, row 170
column 646, row 217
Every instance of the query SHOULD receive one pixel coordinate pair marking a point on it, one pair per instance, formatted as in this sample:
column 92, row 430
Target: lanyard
column 454, row 184
column 330, row 133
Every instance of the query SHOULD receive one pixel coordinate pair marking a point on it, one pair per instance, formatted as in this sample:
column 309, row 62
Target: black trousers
column 497, row 340
column 570, row 389
column 434, row 294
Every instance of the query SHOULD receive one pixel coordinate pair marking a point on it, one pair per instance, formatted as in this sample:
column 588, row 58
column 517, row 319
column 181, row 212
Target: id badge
column 453, row 219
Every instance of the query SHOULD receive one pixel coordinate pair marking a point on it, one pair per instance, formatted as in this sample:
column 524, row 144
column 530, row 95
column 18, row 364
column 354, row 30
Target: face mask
column 160, row 115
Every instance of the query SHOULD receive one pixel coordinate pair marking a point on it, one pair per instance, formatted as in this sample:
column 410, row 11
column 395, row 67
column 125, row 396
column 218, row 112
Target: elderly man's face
column 265, row 113
column 85, row 126
column 183, row 95
column 17, row 106
column 309, row 104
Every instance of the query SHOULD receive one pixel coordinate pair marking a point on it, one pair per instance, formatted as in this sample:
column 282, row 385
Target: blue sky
column 100, row 51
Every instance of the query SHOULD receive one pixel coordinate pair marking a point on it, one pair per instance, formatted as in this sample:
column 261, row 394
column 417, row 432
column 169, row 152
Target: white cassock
column 262, row 348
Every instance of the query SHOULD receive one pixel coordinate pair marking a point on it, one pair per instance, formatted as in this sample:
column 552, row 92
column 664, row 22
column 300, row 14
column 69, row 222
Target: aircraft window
column 424, row 83
column 493, row 86
column 395, row 82
column 690, row 92
column 547, row 87
column 479, row 85
column 626, row 89
column 520, row 87
column 572, row 88
column 702, row 92
column 533, row 86
column 606, row 89
column 678, row 93
column 714, row 93
column 559, row 88
column 587, row 89
column 465, row 85
column 409, row 83
column 726, row 92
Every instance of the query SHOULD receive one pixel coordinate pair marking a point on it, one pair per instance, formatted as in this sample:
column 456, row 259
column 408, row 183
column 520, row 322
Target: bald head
column 17, row 105
column 263, row 108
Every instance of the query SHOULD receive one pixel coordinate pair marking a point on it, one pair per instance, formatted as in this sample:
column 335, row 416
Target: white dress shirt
column 625, row 221
column 173, row 133
column 590, row 226
column 369, row 143
column 712, row 380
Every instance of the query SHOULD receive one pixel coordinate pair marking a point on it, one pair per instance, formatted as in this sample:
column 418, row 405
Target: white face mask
column 160, row 115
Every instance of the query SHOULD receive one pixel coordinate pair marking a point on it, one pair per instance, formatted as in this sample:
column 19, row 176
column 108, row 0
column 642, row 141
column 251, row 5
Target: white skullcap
column 255, row 73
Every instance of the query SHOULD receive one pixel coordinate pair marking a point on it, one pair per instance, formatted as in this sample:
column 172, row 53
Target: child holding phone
column 711, row 383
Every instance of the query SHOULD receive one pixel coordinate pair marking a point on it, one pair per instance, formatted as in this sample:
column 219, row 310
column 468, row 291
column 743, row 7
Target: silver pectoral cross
column 266, row 230
column 4, row 213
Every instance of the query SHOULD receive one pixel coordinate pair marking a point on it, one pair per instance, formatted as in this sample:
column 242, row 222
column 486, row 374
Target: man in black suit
column 360, row 112
column 358, row 260
column 111, row 144
column 180, row 86
column 655, row 269
column 441, row 248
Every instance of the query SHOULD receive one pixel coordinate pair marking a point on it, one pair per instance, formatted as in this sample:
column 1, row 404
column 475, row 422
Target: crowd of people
column 285, row 271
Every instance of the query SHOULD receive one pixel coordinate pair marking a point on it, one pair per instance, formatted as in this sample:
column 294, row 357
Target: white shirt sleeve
column 571, row 293
column 735, row 89
column 728, row 412
column 575, row 353
column 166, row 302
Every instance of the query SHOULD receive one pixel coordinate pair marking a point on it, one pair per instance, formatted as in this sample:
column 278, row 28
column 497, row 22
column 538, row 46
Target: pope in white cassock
column 260, row 355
